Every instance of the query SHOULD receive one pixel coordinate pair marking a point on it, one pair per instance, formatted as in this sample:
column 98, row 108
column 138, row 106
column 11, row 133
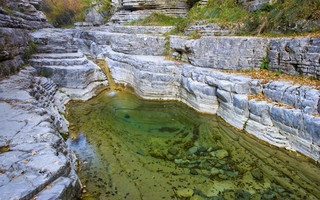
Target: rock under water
column 144, row 156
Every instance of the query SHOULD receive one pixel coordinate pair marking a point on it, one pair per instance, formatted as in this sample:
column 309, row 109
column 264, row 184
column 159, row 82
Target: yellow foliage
column 63, row 12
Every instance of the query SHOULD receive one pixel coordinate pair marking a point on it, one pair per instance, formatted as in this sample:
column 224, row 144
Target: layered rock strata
column 213, row 29
column 299, row 56
column 129, row 10
column 60, row 60
column 35, row 161
column 202, row 87
column 17, row 19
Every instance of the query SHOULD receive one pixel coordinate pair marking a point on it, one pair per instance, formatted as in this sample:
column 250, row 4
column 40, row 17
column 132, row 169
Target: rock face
column 299, row 56
column 207, row 90
column 221, row 52
column 17, row 19
column 94, row 16
column 35, row 161
column 213, row 29
column 60, row 60
column 129, row 10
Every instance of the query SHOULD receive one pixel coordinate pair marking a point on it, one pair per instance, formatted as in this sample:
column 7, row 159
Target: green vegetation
column 280, row 17
column 31, row 50
column 63, row 13
column 45, row 73
column 265, row 63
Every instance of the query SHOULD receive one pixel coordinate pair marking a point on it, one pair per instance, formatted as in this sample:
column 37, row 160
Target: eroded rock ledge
column 136, row 60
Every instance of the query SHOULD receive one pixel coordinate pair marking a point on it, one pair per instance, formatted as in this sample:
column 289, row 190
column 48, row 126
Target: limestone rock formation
column 202, row 87
column 35, row 161
column 17, row 19
column 129, row 10
column 94, row 16
column 60, row 60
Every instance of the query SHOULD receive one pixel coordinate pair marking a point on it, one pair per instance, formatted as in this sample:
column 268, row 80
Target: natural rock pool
column 129, row 148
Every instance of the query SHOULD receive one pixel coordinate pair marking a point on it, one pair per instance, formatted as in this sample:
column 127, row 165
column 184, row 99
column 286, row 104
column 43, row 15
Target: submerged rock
column 197, row 197
column 194, row 172
column 257, row 174
column 202, row 149
column 157, row 154
column 185, row 193
column 221, row 154
column 214, row 171
column 192, row 150
column 173, row 151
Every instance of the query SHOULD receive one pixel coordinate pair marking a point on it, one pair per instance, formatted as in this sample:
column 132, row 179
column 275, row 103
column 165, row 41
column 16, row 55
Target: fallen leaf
column 33, row 153
column 49, row 186
column 26, row 161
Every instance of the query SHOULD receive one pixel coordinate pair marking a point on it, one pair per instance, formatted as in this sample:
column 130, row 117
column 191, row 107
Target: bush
column 64, row 12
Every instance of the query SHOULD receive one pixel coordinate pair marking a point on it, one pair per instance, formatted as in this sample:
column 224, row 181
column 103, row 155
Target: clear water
column 129, row 148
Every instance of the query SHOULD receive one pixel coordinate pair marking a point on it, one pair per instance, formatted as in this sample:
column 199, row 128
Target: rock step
column 58, row 56
column 141, row 29
column 62, row 62
column 57, row 49
column 51, row 41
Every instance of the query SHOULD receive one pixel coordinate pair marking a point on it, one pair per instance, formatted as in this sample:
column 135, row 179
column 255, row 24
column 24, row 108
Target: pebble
column 221, row 154
column 192, row 150
column 202, row 149
column 140, row 152
column 214, row 171
column 257, row 174
column 196, row 197
column 185, row 193
column 156, row 154
column 194, row 172
column 173, row 151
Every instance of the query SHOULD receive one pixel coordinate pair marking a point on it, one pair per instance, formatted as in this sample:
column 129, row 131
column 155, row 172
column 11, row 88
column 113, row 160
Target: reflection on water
column 136, row 149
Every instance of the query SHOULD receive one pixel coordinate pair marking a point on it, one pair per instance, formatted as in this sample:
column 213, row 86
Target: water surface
column 131, row 148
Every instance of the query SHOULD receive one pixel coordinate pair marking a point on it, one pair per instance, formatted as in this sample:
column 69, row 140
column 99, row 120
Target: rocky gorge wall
column 137, row 60
column 17, row 19
column 128, row 10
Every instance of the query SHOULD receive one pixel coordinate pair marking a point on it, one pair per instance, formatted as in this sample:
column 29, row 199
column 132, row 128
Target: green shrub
column 265, row 63
column 65, row 12
column 31, row 50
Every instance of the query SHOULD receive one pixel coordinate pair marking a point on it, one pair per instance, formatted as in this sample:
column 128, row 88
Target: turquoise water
column 129, row 148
